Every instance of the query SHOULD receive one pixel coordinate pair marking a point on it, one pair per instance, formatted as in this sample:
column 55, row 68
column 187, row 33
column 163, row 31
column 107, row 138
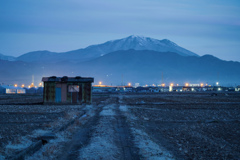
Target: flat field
column 125, row 126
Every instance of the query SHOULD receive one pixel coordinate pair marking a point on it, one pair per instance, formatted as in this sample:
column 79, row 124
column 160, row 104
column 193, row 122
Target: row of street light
column 30, row 86
column 171, row 84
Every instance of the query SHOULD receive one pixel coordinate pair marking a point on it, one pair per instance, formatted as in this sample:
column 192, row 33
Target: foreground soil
column 129, row 126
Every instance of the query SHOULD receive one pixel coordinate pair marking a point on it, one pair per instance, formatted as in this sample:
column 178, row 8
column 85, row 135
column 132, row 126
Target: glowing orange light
column 15, row 85
column 163, row 85
column 32, row 85
column 201, row 84
column 171, row 84
column 22, row 85
column 100, row 83
column 129, row 84
column 186, row 84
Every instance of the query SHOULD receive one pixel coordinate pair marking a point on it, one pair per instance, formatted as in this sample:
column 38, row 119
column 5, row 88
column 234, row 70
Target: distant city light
column 22, row 85
column 15, row 85
column 171, row 84
column 217, row 83
column 100, row 83
column 32, row 85
column 219, row 89
column 29, row 86
column 187, row 84
column 177, row 84
column 40, row 84
column 201, row 84
column 170, row 88
column 129, row 84
column 163, row 85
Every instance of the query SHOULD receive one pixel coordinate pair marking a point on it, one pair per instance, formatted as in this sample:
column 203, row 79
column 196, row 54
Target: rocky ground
column 191, row 126
column 126, row 126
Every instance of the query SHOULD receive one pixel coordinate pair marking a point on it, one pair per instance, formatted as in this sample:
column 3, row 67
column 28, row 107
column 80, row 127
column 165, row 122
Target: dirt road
column 106, row 135
column 151, row 126
column 169, row 127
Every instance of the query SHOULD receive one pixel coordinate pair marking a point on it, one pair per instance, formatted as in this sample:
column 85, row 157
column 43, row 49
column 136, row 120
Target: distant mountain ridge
column 38, row 56
column 134, row 66
column 5, row 57
column 146, row 66
column 132, row 59
column 95, row 51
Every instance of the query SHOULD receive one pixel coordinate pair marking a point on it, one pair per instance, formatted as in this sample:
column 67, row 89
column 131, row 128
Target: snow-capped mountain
column 95, row 51
column 138, row 59
column 141, row 43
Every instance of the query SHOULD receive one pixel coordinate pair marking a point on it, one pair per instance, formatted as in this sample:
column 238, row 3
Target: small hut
column 67, row 90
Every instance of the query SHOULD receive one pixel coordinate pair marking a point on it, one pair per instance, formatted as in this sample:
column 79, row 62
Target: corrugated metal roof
column 67, row 79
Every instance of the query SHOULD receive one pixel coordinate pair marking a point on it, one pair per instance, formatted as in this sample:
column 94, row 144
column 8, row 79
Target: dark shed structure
column 68, row 90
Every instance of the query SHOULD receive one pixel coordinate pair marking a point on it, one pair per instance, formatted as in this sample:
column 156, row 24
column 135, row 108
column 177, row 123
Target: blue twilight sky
column 202, row 26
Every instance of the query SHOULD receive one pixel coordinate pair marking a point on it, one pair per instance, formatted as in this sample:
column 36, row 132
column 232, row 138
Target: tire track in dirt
column 81, row 138
column 111, row 137
column 129, row 151
column 148, row 147
column 102, row 144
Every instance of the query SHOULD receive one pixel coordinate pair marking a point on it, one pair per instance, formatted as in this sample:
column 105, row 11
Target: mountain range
column 95, row 51
column 134, row 59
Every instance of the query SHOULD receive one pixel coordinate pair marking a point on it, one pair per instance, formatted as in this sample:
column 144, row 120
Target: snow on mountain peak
column 136, row 37
column 146, row 43
column 149, row 40
column 169, row 42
